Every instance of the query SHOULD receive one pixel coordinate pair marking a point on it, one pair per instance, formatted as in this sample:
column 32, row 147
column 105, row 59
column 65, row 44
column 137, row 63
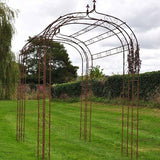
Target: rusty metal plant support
column 21, row 103
column 82, row 40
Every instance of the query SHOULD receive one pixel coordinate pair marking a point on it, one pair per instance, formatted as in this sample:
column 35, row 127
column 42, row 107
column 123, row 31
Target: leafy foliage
column 96, row 73
column 8, row 66
column 112, row 86
column 149, row 84
column 71, row 89
column 61, row 68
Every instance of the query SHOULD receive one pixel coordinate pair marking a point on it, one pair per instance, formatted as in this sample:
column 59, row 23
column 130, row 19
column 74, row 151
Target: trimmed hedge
column 71, row 89
column 112, row 86
column 149, row 84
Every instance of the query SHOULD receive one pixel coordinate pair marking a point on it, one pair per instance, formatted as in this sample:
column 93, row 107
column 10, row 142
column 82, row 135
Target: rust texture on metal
column 21, row 103
column 82, row 40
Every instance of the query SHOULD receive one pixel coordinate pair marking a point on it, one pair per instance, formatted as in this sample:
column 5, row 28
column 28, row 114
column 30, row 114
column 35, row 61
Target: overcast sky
column 142, row 15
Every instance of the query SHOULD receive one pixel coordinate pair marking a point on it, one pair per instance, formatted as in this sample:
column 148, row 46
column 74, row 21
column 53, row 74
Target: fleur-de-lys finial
column 87, row 9
column 94, row 4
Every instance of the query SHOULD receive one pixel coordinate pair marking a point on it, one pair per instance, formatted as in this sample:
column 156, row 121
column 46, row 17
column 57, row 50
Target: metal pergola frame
column 128, row 48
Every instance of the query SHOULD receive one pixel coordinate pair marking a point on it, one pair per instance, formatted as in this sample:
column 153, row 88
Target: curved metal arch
column 97, row 25
column 115, row 18
column 113, row 33
column 120, row 21
column 129, row 44
column 55, row 33
column 73, row 40
column 136, row 53
column 110, row 30
column 72, row 43
column 73, row 20
column 72, row 15
column 75, row 15
column 63, row 24
column 136, row 41
column 128, row 38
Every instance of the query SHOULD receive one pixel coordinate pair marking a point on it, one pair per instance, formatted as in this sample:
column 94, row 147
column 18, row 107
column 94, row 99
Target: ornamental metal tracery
column 85, row 32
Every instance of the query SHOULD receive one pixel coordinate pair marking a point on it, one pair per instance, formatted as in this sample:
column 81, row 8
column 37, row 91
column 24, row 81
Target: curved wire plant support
column 82, row 40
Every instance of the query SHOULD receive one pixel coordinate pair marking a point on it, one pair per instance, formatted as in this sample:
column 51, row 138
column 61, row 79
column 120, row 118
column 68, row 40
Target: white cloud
column 150, row 39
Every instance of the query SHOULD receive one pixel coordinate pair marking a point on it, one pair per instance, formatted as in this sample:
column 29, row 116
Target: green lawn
column 65, row 143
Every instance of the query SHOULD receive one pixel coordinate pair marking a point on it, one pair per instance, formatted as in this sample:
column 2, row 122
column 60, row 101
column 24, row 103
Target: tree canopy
column 8, row 66
column 96, row 73
column 62, row 69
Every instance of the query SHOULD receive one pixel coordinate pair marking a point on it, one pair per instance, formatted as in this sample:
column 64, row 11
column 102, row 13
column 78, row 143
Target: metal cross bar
column 109, row 52
column 100, row 37
column 87, row 29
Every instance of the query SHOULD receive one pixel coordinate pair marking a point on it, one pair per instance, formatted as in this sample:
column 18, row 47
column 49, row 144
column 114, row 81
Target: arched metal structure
column 87, row 29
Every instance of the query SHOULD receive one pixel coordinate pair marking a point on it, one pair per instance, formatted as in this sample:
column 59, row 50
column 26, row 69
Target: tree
column 61, row 68
column 96, row 73
column 8, row 66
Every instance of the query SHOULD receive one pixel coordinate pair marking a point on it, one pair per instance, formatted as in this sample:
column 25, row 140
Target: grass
column 65, row 142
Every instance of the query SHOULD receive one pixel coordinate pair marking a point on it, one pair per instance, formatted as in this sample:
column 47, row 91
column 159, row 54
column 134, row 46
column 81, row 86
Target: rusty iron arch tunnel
column 83, row 31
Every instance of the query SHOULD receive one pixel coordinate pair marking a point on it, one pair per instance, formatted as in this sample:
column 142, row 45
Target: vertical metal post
column 18, row 105
column 81, row 109
column 23, row 97
column 132, row 117
column 90, row 116
column 86, row 108
column 50, row 58
column 44, row 109
column 128, row 105
column 44, row 103
column 128, row 111
column 137, row 115
column 132, row 110
column 90, row 97
column 17, row 122
column 138, row 67
column 38, row 96
column 81, row 106
column 123, row 104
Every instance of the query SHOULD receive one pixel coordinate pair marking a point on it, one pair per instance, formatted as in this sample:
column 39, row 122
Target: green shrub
column 70, row 89
column 112, row 87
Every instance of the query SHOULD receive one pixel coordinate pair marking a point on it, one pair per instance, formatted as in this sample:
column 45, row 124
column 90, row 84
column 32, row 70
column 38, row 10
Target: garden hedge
column 112, row 86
